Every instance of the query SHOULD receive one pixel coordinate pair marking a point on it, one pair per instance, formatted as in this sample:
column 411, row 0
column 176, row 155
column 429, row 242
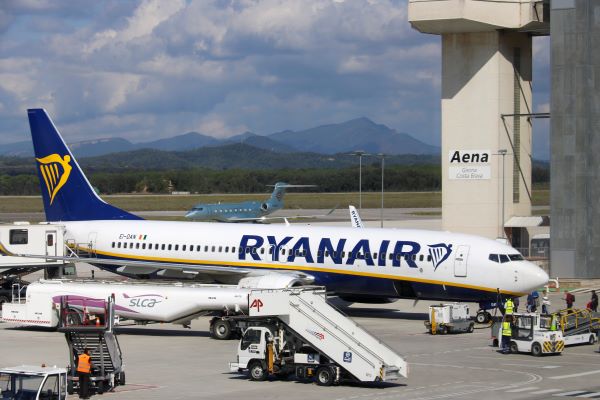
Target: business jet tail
column 66, row 192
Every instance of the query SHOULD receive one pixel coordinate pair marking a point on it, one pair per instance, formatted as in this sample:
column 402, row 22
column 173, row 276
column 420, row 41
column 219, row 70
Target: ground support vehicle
column 579, row 326
column 33, row 383
column 449, row 318
column 99, row 338
column 296, row 332
column 530, row 334
column 141, row 302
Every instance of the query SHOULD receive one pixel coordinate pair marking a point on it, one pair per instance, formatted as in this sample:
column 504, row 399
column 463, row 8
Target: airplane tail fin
column 355, row 219
column 279, row 190
column 66, row 192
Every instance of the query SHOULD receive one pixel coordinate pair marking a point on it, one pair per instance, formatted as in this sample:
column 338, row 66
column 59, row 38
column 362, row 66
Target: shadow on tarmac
column 293, row 379
column 383, row 313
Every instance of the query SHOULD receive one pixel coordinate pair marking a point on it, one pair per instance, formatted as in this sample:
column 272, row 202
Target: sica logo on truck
column 144, row 300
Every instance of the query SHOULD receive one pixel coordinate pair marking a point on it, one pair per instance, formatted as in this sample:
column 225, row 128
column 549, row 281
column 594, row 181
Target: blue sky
column 148, row 69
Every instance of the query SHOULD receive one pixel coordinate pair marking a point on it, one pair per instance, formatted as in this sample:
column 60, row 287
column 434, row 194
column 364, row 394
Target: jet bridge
column 308, row 316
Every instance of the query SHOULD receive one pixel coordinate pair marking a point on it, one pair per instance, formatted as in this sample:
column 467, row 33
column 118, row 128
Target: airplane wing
column 267, row 218
column 147, row 267
column 355, row 219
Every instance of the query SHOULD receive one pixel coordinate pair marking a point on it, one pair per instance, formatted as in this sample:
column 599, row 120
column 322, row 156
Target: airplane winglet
column 355, row 219
column 4, row 251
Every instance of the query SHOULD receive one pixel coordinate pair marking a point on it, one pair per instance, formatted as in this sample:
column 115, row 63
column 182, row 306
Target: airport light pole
column 503, row 152
column 360, row 154
column 382, row 169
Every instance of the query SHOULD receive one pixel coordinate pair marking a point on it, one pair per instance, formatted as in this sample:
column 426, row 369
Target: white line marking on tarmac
column 597, row 371
column 589, row 395
column 525, row 389
column 546, row 391
column 534, row 366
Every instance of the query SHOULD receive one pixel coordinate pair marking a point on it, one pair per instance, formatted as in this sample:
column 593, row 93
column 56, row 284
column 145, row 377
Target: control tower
column 486, row 99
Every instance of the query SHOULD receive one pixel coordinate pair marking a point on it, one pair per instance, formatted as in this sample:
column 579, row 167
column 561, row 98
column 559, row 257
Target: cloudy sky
column 149, row 69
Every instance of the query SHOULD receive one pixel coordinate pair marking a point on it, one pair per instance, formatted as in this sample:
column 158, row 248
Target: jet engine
column 272, row 281
column 264, row 206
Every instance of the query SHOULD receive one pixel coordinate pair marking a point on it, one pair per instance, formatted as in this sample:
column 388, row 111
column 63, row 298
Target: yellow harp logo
column 55, row 171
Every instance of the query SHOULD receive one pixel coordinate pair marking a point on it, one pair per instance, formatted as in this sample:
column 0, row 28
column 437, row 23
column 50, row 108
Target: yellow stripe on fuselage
column 296, row 268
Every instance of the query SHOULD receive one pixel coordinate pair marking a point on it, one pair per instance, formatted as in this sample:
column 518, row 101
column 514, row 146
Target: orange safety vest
column 83, row 364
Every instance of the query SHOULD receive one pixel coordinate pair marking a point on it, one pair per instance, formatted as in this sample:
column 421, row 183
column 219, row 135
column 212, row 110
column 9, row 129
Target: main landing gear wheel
column 483, row 317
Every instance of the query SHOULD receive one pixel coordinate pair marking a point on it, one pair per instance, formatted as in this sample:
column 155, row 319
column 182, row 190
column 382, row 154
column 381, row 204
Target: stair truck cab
column 296, row 332
column 33, row 383
column 531, row 333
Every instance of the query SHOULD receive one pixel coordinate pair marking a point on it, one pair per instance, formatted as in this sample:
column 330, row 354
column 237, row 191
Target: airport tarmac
column 165, row 361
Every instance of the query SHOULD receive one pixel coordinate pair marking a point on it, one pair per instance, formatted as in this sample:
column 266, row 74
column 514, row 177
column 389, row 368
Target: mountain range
column 357, row 134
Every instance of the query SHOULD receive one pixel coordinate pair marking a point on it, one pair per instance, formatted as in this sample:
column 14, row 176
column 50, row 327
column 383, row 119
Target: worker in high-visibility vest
column 84, row 369
column 506, row 333
column 509, row 307
column 553, row 323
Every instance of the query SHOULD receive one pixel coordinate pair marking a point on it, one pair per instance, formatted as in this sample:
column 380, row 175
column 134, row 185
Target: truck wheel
column 325, row 376
column 444, row 330
column 257, row 371
column 100, row 387
column 514, row 348
column 482, row 317
column 536, row 349
column 2, row 301
column 70, row 389
column 471, row 328
column 592, row 339
column 221, row 329
column 122, row 378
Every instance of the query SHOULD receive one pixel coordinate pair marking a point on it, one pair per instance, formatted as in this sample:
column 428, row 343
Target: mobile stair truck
column 296, row 332
column 449, row 318
column 99, row 338
column 530, row 334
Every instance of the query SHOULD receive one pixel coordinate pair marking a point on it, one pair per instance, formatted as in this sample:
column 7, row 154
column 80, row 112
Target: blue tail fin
column 67, row 194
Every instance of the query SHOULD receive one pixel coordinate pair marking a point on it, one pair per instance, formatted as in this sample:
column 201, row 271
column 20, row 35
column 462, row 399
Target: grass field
column 15, row 204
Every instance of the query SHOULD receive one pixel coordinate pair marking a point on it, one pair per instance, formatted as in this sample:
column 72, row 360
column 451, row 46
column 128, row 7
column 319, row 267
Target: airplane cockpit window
column 504, row 258
column 515, row 257
column 494, row 258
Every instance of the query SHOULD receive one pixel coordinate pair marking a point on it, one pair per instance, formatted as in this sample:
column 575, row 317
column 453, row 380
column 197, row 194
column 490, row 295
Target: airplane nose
column 536, row 277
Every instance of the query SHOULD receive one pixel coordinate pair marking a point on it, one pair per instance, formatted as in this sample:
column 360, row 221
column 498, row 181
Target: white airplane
column 367, row 265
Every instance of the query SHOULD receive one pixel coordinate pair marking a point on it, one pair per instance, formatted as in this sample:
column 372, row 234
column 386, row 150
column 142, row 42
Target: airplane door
column 92, row 242
column 460, row 261
column 51, row 244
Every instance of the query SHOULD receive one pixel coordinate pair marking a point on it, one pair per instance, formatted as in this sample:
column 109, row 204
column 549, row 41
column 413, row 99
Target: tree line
column 400, row 178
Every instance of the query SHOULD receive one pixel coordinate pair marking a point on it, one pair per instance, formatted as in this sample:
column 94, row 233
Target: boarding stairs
column 99, row 338
column 307, row 313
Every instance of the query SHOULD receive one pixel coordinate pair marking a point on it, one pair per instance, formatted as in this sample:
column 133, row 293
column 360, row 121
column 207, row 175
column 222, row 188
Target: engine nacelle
column 270, row 281
column 264, row 206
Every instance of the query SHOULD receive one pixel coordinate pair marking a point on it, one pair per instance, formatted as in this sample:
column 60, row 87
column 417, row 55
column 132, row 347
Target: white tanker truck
column 140, row 302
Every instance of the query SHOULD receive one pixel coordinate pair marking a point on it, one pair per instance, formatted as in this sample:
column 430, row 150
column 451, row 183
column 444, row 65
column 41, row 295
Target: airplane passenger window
column 182, row 248
column 503, row 258
column 137, row 245
column 213, row 249
column 326, row 253
column 421, row 257
column 162, row 246
column 515, row 257
column 198, row 248
column 119, row 245
column 169, row 248
column 283, row 251
column 429, row 258
column 262, row 250
column 155, row 246
column 391, row 256
column 113, row 245
column 375, row 256
column 343, row 254
column 226, row 249
column 414, row 257
column 493, row 257
column 143, row 246
column 233, row 249
column 176, row 247
column 270, row 250
column 206, row 249
column 220, row 249
column 254, row 250
column 191, row 247
column 131, row 245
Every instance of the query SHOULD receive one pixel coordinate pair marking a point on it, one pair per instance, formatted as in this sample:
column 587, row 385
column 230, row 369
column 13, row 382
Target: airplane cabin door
column 51, row 244
column 460, row 261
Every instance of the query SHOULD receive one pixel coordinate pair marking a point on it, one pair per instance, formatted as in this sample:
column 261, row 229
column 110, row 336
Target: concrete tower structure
column 575, row 139
column 486, row 86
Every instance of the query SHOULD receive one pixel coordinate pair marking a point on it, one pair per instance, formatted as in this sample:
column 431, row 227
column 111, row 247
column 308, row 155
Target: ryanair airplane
column 369, row 265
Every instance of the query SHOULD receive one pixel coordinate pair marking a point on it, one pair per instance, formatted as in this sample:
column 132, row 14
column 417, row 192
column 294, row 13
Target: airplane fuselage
column 381, row 262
